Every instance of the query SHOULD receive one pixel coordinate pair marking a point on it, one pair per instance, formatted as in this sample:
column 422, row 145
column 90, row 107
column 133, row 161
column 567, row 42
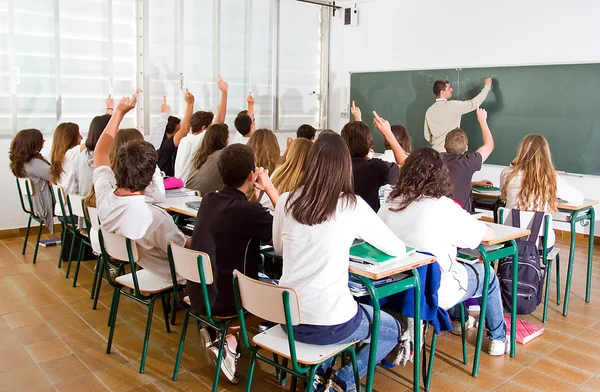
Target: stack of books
column 367, row 257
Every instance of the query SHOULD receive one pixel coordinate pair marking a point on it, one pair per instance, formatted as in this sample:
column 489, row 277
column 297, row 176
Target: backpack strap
column 535, row 227
column 516, row 218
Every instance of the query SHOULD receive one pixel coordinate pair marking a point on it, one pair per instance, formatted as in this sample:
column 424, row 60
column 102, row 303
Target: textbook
column 358, row 289
column 526, row 332
column 363, row 252
column 180, row 192
column 50, row 242
column 486, row 189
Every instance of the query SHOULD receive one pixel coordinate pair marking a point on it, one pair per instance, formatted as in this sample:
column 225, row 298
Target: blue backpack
column 530, row 282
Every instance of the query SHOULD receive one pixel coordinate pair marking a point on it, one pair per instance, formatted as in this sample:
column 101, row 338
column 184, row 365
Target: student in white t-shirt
column 530, row 183
column 200, row 122
column 122, row 207
column 420, row 211
column 314, row 227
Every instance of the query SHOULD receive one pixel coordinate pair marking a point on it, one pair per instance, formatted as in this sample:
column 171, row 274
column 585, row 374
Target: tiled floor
column 50, row 339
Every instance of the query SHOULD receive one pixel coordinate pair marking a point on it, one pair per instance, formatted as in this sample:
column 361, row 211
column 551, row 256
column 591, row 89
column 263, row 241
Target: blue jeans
column 494, row 314
column 389, row 335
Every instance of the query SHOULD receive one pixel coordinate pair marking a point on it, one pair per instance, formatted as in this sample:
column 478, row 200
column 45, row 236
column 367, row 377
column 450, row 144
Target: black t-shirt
column 229, row 229
column 461, row 168
column 166, row 156
column 370, row 175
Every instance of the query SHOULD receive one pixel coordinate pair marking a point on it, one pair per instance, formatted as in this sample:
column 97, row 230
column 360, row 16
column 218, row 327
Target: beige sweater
column 443, row 116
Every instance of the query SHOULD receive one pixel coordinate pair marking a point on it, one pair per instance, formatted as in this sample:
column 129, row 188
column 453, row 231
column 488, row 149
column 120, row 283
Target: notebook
column 363, row 252
column 526, row 332
column 486, row 189
column 194, row 205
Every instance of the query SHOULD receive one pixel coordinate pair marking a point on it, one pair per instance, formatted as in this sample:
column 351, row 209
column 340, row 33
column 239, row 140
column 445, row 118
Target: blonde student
column 314, row 227
column 420, row 210
column 266, row 149
column 120, row 200
column 531, row 183
column 26, row 161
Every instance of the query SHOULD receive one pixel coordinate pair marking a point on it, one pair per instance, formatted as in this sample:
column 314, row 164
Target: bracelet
column 110, row 109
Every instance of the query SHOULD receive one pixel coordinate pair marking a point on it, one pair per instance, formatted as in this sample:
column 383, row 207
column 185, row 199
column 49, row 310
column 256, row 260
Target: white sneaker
column 499, row 347
column 228, row 363
column 456, row 330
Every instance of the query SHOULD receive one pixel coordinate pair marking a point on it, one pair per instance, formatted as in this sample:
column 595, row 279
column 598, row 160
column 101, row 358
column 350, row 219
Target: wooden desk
column 503, row 235
column 177, row 205
column 579, row 213
column 410, row 282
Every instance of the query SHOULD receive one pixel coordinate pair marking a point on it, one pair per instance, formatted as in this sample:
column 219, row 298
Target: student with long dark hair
column 26, row 161
column 313, row 228
column 65, row 149
column 420, row 209
column 204, row 174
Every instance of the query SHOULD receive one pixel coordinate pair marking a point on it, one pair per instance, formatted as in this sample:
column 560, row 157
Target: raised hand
column 188, row 97
column 288, row 142
column 222, row 85
column 127, row 103
column 481, row 114
column 356, row 113
column 250, row 99
column 262, row 179
column 381, row 124
column 164, row 108
column 488, row 81
column 110, row 103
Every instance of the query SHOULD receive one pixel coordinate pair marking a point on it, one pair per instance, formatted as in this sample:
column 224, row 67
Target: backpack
column 530, row 282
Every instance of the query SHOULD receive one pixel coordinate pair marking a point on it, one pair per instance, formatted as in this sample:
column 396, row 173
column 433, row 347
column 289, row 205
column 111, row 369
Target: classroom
column 269, row 195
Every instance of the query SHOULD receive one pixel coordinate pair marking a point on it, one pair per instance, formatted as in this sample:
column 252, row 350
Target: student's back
column 204, row 174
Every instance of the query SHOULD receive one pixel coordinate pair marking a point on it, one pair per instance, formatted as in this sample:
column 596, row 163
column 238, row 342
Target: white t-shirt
column 316, row 258
column 68, row 164
column 130, row 216
column 438, row 226
column 185, row 153
column 238, row 138
column 564, row 191
column 388, row 156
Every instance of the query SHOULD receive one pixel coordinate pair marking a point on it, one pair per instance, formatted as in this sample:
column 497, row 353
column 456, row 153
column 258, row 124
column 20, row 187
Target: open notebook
column 365, row 253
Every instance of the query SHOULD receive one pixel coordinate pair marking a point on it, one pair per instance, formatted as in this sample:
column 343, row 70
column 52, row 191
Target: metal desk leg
column 513, row 311
column 588, row 286
column 482, row 310
column 417, row 333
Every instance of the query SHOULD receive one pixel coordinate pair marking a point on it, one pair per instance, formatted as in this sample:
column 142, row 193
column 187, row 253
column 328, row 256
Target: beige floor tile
column 85, row 383
column 25, row 378
column 14, row 358
column 34, row 333
column 65, row 368
column 48, row 350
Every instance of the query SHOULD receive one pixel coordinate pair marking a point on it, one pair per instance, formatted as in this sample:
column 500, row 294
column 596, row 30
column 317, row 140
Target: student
column 371, row 174
column 80, row 178
column 530, row 183
column 27, row 162
column 421, row 211
column 200, row 121
column 401, row 134
column 204, row 175
column 65, row 149
column 168, row 133
column 313, row 228
column 444, row 115
column 266, row 149
column 120, row 196
column 244, row 123
column 462, row 165
column 229, row 229
column 325, row 132
column 306, row 131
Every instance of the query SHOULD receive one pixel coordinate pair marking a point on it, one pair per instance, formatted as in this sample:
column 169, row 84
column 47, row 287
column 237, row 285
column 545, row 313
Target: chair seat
column 148, row 282
column 276, row 341
column 552, row 254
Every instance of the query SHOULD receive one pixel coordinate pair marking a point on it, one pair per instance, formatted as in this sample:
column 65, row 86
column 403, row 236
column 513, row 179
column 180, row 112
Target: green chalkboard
column 561, row 102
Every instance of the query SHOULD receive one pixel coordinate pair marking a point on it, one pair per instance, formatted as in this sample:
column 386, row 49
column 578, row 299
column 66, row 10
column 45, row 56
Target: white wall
column 397, row 35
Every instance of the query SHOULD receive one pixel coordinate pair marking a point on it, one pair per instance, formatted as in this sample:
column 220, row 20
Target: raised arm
column 106, row 139
column 186, row 122
column 250, row 101
column 222, row 110
column 356, row 113
column 488, row 140
column 386, row 130
column 158, row 133
column 110, row 105
column 468, row 106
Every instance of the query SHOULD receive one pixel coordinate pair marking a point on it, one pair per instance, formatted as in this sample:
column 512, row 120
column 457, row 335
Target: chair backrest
column 76, row 205
column 526, row 217
column 266, row 300
column 186, row 264
column 25, row 189
column 93, row 215
column 115, row 246
column 59, row 198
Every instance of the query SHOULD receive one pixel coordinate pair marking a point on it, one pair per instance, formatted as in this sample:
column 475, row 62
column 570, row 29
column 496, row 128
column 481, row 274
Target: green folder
column 367, row 253
column 486, row 188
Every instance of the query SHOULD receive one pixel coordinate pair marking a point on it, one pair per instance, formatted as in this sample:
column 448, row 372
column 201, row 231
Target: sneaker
column 335, row 384
column 499, row 347
column 228, row 363
column 205, row 338
column 456, row 330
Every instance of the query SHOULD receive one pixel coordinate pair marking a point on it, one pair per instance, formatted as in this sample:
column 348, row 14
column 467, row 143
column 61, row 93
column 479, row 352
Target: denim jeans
column 389, row 335
column 494, row 314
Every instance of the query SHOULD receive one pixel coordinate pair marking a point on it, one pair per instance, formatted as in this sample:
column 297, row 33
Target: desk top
column 505, row 233
column 489, row 195
column 572, row 207
column 177, row 205
column 402, row 265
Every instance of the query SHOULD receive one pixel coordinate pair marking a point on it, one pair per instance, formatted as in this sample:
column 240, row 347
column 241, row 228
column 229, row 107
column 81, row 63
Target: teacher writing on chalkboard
column 444, row 115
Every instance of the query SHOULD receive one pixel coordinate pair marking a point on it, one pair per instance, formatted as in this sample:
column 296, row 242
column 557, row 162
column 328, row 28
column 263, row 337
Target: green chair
column 93, row 228
column 280, row 305
column 195, row 267
column 58, row 198
column 75, row 210
column 147, row 287
column 504, row 215
column 25, row 189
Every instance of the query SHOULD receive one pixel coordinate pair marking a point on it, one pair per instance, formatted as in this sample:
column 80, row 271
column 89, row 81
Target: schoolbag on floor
column 530, row 281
